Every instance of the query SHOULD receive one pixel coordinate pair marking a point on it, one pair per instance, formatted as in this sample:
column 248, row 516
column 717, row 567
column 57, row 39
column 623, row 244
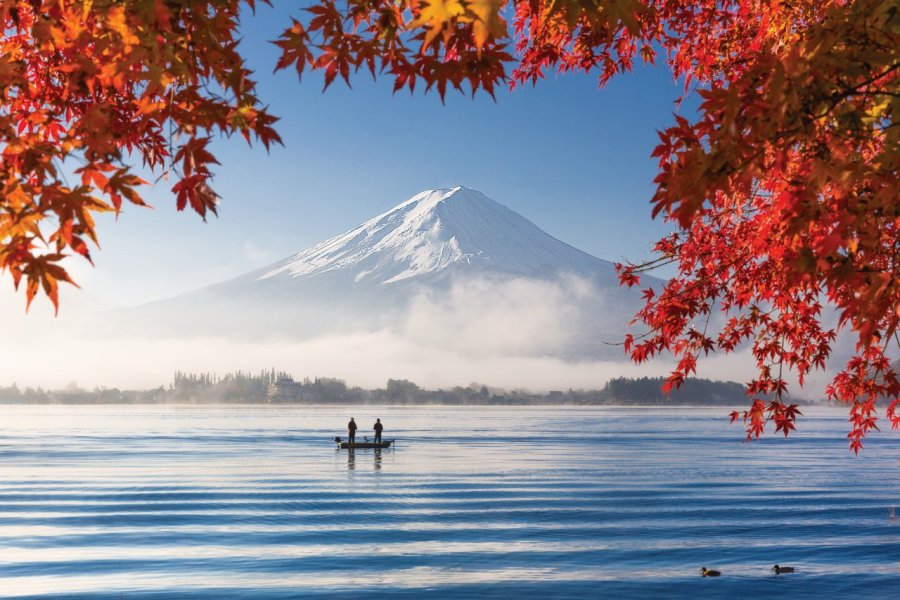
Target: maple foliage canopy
column 782, row 190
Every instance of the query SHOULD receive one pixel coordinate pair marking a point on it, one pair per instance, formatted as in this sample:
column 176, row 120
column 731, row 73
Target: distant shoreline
column 279, row 389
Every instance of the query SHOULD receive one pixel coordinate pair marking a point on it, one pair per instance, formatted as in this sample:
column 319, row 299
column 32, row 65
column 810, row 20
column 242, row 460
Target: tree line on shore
column 278, row 387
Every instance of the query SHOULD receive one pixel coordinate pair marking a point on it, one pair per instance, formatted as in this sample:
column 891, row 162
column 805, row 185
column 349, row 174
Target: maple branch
column 853, row 91
column 698, row 282
column 652, row 265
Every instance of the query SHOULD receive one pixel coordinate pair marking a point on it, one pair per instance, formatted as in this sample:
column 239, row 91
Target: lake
column 474, row 502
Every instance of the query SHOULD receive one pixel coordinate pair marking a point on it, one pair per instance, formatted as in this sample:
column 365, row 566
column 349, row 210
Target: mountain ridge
column 445, row 263
column 436, row 229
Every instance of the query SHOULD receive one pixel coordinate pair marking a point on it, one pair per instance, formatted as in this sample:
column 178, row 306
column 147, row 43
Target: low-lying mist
column 516, row 334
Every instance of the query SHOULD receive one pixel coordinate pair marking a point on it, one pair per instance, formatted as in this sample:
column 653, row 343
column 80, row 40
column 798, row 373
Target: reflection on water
column 113, row 502
column 351, row 457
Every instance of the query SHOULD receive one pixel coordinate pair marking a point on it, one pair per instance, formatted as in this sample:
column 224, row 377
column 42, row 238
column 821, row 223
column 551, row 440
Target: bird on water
column 709, row 572
column 779, row 570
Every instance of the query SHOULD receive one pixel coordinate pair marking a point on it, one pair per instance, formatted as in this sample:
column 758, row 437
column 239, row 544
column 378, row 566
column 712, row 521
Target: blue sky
column 573, row 158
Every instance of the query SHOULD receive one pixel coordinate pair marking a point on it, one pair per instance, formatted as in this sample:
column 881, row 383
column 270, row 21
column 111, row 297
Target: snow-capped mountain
column 449, row 255
column 437, row 230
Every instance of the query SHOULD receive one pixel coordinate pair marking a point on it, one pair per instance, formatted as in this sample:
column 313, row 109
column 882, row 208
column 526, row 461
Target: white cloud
column 513, row 334
column 367, row 360
column 507, row 334
column 481, row 317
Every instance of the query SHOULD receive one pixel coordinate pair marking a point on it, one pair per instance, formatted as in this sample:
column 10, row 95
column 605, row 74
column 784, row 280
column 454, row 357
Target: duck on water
column 713, row 573
column 779, row 570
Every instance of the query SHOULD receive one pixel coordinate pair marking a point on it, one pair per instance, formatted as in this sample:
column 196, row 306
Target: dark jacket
column 351, row 426
column 378, row 427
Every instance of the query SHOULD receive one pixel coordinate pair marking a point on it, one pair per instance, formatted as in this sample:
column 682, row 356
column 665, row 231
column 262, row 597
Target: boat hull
column 356, row 445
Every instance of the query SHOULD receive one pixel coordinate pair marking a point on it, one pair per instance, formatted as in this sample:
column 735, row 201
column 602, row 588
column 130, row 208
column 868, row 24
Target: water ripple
column 234, row 502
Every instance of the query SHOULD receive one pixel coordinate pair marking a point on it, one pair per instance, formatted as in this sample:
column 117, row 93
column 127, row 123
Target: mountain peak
column 435, row 230
column 430, row 199
column 451, row 255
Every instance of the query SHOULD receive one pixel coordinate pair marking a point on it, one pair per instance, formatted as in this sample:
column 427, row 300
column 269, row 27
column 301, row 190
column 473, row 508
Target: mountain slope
column 445, row 256
column 435, row 230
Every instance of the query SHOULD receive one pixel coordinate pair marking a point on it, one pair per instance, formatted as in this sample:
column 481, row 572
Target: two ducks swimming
column 713, row 573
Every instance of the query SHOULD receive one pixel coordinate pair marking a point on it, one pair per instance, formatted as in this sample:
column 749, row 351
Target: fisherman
column 378, row 428
column 351, row 431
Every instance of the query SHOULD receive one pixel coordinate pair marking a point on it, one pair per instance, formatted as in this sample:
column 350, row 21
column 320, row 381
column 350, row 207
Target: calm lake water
column 250, row 502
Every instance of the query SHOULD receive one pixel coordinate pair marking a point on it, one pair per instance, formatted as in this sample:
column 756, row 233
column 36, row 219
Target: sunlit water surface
column 232, row 502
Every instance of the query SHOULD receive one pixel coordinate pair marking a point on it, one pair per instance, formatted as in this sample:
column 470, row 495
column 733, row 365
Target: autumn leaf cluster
column 91, row 89
column 785, row 196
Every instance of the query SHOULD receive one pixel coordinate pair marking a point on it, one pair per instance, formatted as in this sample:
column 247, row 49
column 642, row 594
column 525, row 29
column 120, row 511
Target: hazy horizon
column 514, row 332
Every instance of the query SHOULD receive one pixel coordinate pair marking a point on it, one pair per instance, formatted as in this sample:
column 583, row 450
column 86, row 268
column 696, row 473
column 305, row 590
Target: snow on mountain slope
column 447, row 264
column 435, row 230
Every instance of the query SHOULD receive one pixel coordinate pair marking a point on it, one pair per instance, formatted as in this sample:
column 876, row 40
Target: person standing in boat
column 378, row 429
column 351, row 431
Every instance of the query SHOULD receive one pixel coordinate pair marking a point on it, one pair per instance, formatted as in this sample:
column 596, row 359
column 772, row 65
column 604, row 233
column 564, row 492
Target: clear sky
column 572, row 158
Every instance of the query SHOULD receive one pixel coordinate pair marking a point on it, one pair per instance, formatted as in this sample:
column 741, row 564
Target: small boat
column 365, row 444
